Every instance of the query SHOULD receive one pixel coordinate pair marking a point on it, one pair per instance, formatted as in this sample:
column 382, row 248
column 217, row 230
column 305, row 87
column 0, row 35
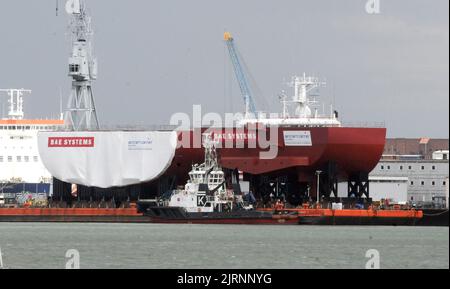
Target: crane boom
column 240, row 75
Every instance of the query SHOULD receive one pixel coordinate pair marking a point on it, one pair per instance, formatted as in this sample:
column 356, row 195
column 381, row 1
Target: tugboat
column 207, row 199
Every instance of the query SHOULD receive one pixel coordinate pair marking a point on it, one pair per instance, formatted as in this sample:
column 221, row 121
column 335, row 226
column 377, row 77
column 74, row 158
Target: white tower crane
column 80, row 113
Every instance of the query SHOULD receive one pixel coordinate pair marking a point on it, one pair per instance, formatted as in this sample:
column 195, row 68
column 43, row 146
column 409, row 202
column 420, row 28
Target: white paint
column 440, row 155
column 191, row 199
column 110, row 161
column 15, row 102
column 297, row 138
column 19, row 156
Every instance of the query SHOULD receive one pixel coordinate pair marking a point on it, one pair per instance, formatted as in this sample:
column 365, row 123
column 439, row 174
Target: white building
column 427, row 179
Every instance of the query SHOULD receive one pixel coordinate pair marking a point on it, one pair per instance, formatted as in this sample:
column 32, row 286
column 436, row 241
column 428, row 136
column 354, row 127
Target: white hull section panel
column 107, row 159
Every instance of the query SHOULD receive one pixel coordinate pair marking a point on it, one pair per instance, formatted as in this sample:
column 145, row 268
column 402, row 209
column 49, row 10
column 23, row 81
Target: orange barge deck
column 355, row 216
column 305, row 216
column 100, row 215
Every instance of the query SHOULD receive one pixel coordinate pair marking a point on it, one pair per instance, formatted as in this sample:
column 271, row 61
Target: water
column 44, row 245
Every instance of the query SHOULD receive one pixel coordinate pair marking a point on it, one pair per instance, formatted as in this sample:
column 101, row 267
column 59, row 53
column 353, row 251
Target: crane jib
column 241, row 78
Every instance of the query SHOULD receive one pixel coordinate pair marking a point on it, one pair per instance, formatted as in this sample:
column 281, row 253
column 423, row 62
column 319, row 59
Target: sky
column 160, row 57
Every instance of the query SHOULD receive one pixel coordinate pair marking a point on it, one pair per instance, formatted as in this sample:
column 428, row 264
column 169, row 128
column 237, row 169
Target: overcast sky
column 159, row 57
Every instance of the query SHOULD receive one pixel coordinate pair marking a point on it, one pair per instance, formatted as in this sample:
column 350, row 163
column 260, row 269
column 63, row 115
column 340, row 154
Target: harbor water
column 44, row 245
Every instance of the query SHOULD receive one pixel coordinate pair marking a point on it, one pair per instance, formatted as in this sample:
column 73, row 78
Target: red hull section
column 354, row 150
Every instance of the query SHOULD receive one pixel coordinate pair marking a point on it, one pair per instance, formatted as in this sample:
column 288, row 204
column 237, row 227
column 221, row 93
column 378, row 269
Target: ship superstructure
column 206, row 189
column 297, row 110
column 21, row 168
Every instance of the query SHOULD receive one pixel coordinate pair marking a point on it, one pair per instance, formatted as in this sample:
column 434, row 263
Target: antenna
column 57, row 7
column 303, row 85
column 61, row 114
column 15, row 102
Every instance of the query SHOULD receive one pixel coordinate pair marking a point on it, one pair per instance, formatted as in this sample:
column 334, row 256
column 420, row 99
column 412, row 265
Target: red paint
column 31, row 122
column 71, row 142
column 354, row 150
column 68, row 212
column 353, row 213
